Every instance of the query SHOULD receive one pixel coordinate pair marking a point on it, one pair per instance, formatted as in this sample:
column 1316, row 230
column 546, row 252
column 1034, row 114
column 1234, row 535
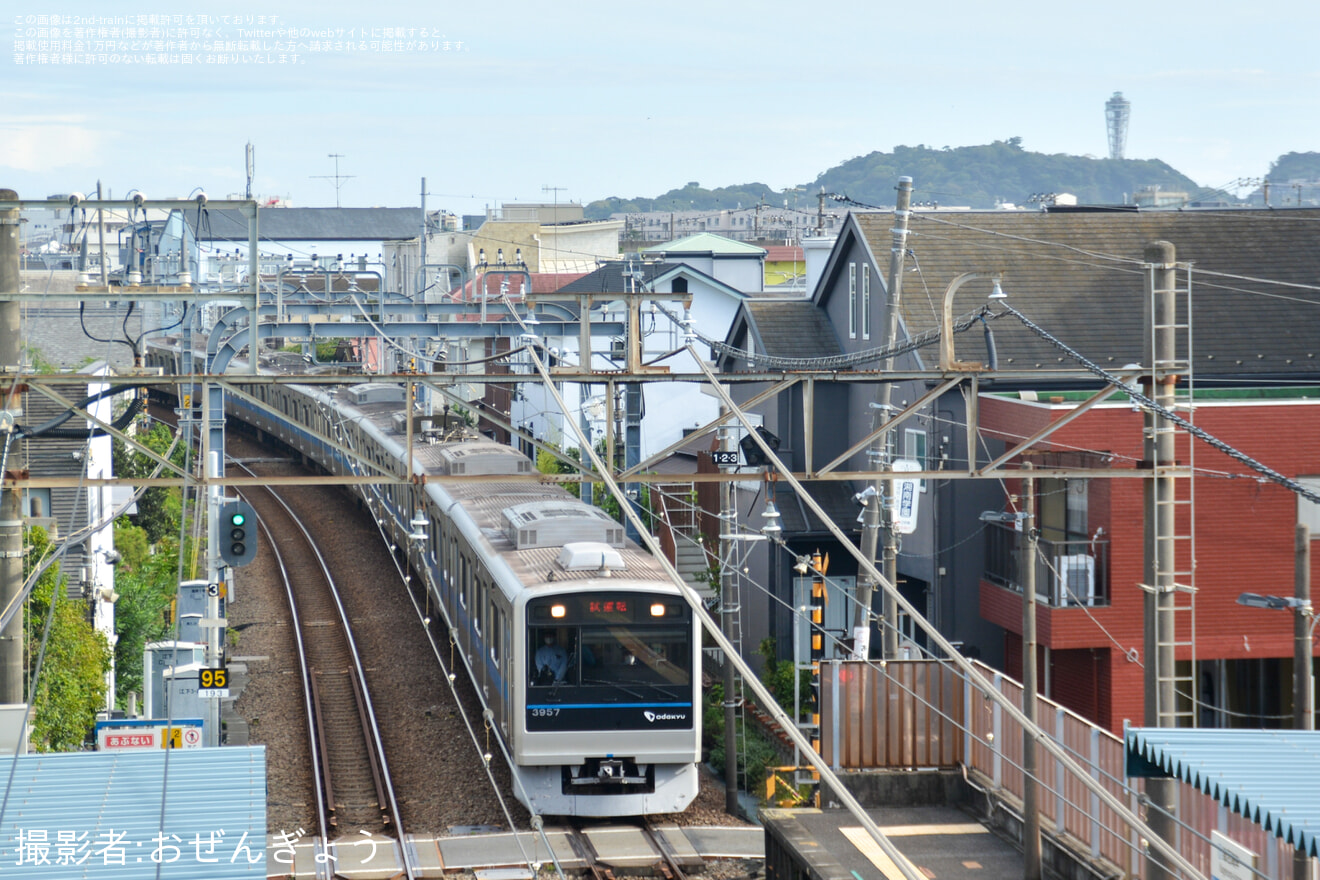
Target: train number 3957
column 544, row 713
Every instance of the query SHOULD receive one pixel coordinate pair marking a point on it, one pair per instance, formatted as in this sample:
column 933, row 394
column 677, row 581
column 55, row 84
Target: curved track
column 354, row 792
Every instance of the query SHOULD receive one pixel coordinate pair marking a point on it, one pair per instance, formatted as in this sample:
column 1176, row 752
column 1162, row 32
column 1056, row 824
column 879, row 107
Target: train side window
column 476, row 605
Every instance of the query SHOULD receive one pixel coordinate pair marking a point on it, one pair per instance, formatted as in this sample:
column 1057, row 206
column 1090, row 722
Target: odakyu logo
column 662, row 716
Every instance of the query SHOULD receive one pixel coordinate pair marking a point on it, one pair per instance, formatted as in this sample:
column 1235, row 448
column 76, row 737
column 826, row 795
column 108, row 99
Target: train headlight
column 657, row 610
column 558, row 610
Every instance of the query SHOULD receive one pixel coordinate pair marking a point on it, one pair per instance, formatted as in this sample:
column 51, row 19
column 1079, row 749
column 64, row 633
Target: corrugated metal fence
column 926, row 714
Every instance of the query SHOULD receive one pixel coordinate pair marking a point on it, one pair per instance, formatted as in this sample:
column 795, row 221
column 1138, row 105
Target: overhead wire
column 346, row 438
column 1149, row 404
column 798, row 614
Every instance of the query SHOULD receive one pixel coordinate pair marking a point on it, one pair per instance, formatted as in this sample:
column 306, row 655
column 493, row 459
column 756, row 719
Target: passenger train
column 584, row 651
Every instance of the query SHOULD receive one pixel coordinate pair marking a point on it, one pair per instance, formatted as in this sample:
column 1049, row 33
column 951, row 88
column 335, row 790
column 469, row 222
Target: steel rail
column 377, row 762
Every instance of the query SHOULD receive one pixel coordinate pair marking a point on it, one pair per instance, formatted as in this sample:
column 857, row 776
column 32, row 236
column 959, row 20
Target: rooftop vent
column 482, row 457
column 371, row 392
column 590, row 556
column 557, row 523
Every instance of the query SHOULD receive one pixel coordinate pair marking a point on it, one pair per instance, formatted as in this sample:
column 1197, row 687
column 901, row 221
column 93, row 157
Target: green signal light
column 238, row 519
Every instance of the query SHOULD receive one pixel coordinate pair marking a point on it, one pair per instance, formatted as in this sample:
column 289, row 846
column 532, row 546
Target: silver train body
column 610, row 725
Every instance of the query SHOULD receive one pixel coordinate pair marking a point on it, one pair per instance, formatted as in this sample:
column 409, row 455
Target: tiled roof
column 542, row 282
column 616, row 276
column 792, row 328
column 310, row 224
column 834, row 497
column 707, row 243
column 1078, row 275
column 784, row 253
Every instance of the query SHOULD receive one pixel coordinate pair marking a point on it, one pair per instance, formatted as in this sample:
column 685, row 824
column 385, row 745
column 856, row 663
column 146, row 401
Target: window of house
column 914, row 449
column 866, row 300
column 36, row 503
column 1061, row 509
column 852, row 300
column 1075, row 504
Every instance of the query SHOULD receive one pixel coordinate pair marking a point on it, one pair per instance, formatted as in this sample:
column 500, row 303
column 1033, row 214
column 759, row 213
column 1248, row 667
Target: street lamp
column 1303, row 679
column 1276, row 603
column 1303, row 635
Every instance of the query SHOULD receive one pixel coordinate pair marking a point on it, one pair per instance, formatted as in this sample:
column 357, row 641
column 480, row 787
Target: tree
column 159, row 507
column 147, row 584
column 71, row 687
column 1295, row 166
column 979, row 176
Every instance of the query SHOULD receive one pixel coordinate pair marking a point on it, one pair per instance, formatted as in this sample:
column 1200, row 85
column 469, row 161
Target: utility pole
column 879, row 504
column 728, row 515
column 1303, row 679
column 100, row 238
column 11, row 510
column 1030, row 789
column 1160, row 697
column 422, row 265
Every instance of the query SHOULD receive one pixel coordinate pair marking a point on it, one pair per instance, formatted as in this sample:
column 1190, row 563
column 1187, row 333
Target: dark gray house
column 1255, row 293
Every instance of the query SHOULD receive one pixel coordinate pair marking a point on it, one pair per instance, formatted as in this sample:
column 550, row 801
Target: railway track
column 354, row 792
column 627, row 847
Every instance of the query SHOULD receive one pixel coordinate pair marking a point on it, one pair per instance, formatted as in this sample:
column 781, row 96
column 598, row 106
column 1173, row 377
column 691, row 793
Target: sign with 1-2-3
column 213, row 683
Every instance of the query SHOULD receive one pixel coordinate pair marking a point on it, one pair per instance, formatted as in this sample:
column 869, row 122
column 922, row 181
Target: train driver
column 551, row 659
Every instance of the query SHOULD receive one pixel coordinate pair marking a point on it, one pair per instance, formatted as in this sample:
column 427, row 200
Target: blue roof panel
column 112, row 814
column 1269, row 776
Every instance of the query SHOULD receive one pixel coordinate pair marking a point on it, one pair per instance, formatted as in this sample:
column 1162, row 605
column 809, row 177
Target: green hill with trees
column 1295, row 166
column 981, row 176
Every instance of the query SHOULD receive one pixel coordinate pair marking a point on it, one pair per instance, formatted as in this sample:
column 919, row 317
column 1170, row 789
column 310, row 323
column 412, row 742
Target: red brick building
column 1091, row 641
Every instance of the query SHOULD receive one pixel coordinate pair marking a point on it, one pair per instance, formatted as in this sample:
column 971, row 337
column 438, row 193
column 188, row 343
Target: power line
column 1147, row 403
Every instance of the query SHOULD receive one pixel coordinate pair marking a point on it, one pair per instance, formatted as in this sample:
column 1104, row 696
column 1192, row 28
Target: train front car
column 609, row 704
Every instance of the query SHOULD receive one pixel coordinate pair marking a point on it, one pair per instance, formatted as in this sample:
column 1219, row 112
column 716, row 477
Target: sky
column 518, row 101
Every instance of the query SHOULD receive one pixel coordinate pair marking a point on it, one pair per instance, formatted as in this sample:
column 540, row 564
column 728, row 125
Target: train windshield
column 620, row 657
column 636, row 647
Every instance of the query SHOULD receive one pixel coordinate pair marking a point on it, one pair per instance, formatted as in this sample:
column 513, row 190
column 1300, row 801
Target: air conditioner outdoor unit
column 1074, row 580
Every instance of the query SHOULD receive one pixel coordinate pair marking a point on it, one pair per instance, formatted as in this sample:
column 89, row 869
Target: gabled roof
column 790, row 328
column 310, row 224
column 542, row 282
column 834, row 497
column 618, row 276
column 1079, row 276
column 707, row 243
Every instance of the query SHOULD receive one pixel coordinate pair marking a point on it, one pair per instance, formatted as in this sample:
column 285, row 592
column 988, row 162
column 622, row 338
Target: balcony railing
column 1068, row 573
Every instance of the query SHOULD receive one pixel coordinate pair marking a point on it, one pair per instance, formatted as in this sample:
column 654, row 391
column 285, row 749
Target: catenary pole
column 1160, row 705
column 11, row 511
column 1303, row 678
column 1030, row 783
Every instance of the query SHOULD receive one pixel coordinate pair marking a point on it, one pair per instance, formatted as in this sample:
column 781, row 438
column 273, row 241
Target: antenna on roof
column 336, row 177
